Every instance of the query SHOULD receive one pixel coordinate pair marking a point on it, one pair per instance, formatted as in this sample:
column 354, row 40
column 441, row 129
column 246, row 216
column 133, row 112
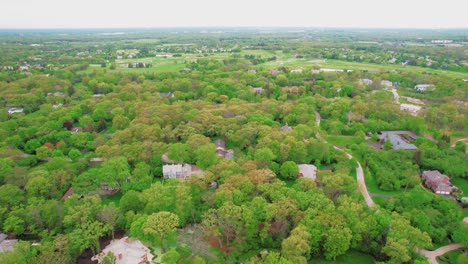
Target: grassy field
column 345, row 141
column 351, row 257
column 347, row 65
column 450, row 257
column 462, row 184
column 161, row 64
column 372, row 186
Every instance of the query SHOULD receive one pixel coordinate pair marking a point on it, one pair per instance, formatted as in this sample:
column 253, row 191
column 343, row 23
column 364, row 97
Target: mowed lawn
column 344, row 141
column 461, row 184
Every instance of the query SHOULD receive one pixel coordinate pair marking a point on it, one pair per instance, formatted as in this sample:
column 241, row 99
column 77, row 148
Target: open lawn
column 450, row 257
column 351, row 257
column 462, row 184
column 344, row 141
column 372, row 186
column 348, row 65
column 114, row 198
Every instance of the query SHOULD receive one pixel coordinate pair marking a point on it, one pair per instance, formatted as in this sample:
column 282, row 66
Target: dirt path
column 432, row 255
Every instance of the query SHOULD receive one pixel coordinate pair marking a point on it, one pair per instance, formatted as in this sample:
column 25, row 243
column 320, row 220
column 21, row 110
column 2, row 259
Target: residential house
column 309, row 79
column 307, row 171
column 258, row 90
column 398, row 139
column 68, row 193
column 286, row 128
column 179, row 171
column 252, row 71
column 98, row 95
column 76, row 130
column 167, row 95
column 56, row 94
column 438, row 182
column 126, row 251
column 95, row 161
column 386, row 83
column 13, row 110
column 331, row 70
column 412, row 109
column 275, row 72
column 366, row 82
column 424, row 87
column 222, row 151
column 6, row 244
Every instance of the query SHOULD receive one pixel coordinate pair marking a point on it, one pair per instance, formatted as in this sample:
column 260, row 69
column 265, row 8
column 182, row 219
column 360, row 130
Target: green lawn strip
column 461, row 184
column 450, row 257
column 113, row 198
column 372, row 186
column 344, row 141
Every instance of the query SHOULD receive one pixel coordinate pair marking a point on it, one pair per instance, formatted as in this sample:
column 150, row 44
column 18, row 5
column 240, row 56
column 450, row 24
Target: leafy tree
column 161, row 224
column 296, row 247
column 289, row 170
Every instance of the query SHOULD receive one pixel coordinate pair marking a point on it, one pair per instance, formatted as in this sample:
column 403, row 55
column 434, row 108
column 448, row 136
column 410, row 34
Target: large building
column 398, row 139
column 438, row 182
column 179, row 171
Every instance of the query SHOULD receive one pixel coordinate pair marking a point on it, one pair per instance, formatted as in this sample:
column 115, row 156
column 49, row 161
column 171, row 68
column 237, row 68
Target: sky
column 17, row 14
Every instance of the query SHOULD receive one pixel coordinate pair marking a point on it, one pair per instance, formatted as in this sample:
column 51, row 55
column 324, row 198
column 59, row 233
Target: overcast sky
column 181, row 13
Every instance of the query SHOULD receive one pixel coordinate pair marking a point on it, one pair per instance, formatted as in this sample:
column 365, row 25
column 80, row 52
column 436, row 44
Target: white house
column 386, row 83
column 424, row 87
column 366, row 81
column 307, row 171
column 296, row 71
column 13, row 110
column 412, row 109
column 179, row 171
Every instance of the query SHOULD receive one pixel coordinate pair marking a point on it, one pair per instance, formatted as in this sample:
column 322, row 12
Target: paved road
column 432, row 255
column 359, row 171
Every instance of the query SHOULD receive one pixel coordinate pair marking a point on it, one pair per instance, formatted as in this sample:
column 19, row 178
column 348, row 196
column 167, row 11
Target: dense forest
column 90, row 124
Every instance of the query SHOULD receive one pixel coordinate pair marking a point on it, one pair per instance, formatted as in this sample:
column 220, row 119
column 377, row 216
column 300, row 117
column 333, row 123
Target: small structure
column 275, row 72
column 6, row 244
column 56, row 94
column 68, row 193
column 424, row 87
column 412, row 109
column 252, row 71
column 438, row 182
column 296, row 71
column 258, row 90
column 167, row 95
column 309, row 79
column 286, row 128
column 386, row 83
column 98, row 95
column 307, row 171
column 179, row 171
column 127, row 251
column 76, row 130
column 95, row 161
column 13, row 110
column 222, row 151
column 331, row 70
column 315, row 71
column 398, row 139
column 366, row 82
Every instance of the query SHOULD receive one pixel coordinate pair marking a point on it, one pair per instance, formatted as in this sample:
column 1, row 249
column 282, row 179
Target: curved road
column 432, row 255
column 359, row 171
